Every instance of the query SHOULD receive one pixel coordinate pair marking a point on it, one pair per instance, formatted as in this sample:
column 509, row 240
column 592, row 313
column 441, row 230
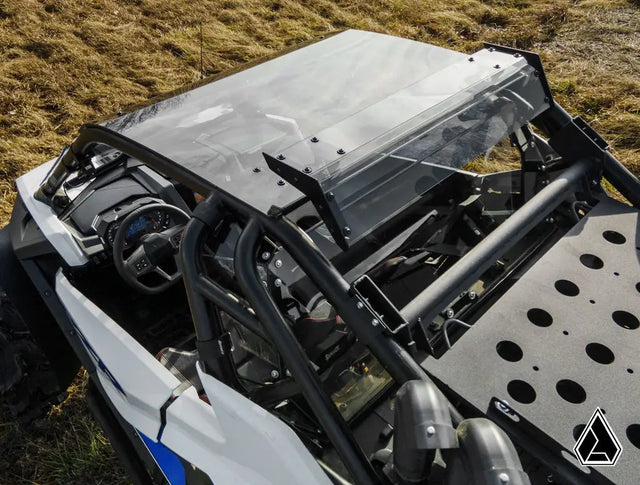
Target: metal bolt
column 330, row 196
column 307, row 170
column 450, row 313
column 503, row 406
column 278, row 282
column 281, row 157
column 359, row 305
column 471, row 59
column 275, row 374
column 346, row 230
column 257, row 170
column 281, row 182
column 341, row 151
column 497, row 66
column 472, row 295
column 278, row 263
column 431, row 431
column 375, row 322
column 314, row 139
column 266, row 255
column 503, row 477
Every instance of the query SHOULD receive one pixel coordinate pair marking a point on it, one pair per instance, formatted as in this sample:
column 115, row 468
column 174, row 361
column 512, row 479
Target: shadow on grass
column 65, row 447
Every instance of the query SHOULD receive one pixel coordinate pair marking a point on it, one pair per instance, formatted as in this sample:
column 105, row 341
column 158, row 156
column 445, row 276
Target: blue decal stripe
column 167, row 460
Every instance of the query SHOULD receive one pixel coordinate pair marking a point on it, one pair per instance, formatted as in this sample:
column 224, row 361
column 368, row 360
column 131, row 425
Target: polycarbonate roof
column 219, row 131
column 372, row 119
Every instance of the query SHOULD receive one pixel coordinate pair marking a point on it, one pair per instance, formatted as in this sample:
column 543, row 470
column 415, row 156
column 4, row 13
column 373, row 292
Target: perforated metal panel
column 565, row 339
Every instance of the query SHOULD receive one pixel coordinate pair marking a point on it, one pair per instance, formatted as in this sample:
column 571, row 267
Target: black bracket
column 383, row 312
column 324, row 203
column 533, row 60
column 577, row 140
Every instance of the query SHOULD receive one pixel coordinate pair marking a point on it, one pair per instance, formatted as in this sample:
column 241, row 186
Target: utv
column 285, row 276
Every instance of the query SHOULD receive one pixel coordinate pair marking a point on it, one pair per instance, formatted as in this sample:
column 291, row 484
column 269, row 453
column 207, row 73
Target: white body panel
column 233, row 440
column 236, row 441
column 47, row 220
column 146, row 384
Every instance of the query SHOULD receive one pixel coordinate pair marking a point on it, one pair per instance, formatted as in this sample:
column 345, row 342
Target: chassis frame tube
column 294, row 356
column 425, row 306
column 394, row 358
column 554, row 120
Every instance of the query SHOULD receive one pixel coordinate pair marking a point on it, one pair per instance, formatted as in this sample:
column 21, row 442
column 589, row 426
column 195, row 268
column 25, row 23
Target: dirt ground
column 63, row 63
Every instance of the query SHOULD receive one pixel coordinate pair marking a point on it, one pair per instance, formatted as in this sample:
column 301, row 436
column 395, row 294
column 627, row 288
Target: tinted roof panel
column 219, row 131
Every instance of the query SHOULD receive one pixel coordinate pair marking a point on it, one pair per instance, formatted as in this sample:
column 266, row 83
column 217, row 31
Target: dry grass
column 65, row 62
column 65, row 447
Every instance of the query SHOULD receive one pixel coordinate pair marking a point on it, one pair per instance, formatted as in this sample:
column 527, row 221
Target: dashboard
column 96, row 208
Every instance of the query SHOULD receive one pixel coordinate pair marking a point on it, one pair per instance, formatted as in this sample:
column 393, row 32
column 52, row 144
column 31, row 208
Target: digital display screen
column 136, row 227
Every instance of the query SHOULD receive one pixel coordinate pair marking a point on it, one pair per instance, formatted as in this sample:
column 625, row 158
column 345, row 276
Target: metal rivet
column 346, row 230
column 275, row 374
column 431, row 431
column 550, row 220
column 307, row 170
column 330, row 196
column 281, row 182
column 278, row 263
column 359, row 305
column 281, row 157
column 472, row 295
column 266, row 255
column 517, row 54
column 503, row 477
column 450, row 313
column 375, row 322
column 341, row 151
column 497, row 66
column 491, row 49
column 278, row 282
column 546, row 100
column 471, row 59
column 536, row 73
column 257, row 170
column 314, row 140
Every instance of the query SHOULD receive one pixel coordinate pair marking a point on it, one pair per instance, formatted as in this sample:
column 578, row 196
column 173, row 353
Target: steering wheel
column 152, row 248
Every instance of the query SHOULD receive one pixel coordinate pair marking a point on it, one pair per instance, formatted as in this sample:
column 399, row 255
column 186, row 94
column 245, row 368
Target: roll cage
column 394, row 336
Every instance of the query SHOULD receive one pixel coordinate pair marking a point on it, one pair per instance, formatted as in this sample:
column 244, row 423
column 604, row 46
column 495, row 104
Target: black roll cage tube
column 206, row 297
